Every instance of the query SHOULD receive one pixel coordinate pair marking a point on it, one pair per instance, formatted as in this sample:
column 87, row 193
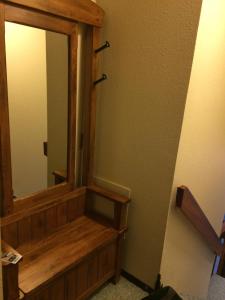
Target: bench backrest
column 24, row 227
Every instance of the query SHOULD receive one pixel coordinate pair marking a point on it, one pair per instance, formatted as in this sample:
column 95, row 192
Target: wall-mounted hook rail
column 104, row 77
column 106, row 45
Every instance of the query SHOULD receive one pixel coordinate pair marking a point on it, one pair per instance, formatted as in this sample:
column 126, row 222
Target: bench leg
column 116, row 278
column 10, row 282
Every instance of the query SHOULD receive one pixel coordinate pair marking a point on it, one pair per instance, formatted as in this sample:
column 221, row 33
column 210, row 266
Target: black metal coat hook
column 106, row 45
column 104, row 77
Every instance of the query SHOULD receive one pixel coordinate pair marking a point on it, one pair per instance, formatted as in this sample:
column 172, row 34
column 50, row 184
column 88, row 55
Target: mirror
column 37, row 78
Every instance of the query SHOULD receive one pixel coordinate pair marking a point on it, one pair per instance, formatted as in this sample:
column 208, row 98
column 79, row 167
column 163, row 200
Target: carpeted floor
column 216, row 288
column 124, row 290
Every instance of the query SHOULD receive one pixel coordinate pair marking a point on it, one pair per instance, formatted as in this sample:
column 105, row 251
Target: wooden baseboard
column 145, row 287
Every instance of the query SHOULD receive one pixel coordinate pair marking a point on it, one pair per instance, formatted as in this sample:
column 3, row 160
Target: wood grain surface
column 191, row 209
column 64, row 249
column 84, row 11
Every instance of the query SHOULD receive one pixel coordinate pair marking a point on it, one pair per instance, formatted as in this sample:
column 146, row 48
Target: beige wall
column 57, row 87
column 140, row 114
column 187, row 262
column 27, row 93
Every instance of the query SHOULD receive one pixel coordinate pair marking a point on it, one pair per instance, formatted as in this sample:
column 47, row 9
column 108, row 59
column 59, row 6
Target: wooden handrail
column 189, row 206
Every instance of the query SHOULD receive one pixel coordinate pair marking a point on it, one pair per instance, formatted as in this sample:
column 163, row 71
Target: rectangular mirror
column 38, row 90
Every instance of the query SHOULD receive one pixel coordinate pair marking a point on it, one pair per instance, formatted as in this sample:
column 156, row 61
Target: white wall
column 187, row 261
column 27, row 94
column 140, row 112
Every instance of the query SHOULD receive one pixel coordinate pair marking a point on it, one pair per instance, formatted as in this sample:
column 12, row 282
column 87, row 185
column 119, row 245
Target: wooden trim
column 39, row 20
column 189, row 206
column 72, row 107
column 89, row 107
column 112, row 196
column 5, row 157
column 92, row 108
column 86, row 88
column 84, row 11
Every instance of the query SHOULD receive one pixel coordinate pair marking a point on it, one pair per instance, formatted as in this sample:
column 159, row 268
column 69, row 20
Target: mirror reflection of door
column 37, row 76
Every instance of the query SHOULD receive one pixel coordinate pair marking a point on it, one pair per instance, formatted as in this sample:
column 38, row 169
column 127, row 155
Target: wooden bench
column 68, row 250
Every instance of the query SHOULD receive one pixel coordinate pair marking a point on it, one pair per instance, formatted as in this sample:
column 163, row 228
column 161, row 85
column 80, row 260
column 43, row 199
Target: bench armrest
column 10, row 274
column 120, row 205
column 112, row 196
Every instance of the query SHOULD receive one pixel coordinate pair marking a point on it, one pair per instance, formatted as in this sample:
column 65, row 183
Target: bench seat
column 62, row 251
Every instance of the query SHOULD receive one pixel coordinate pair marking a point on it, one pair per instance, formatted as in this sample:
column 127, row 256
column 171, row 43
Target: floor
column 216, row 288
column 124, row 290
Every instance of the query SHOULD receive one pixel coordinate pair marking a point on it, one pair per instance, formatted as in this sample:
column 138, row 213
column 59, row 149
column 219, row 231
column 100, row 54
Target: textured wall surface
column 140, row 114
column 187, row 261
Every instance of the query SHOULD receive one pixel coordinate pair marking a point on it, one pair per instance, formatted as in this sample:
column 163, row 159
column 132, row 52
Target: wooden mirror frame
column 59, row 17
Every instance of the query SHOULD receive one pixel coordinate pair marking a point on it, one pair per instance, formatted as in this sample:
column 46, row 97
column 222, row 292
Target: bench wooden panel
column 65, row 249
column 43, row 222
column 80, row 281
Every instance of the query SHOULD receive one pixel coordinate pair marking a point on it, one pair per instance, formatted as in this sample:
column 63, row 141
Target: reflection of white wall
column 187, row 261
column 27, row 93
